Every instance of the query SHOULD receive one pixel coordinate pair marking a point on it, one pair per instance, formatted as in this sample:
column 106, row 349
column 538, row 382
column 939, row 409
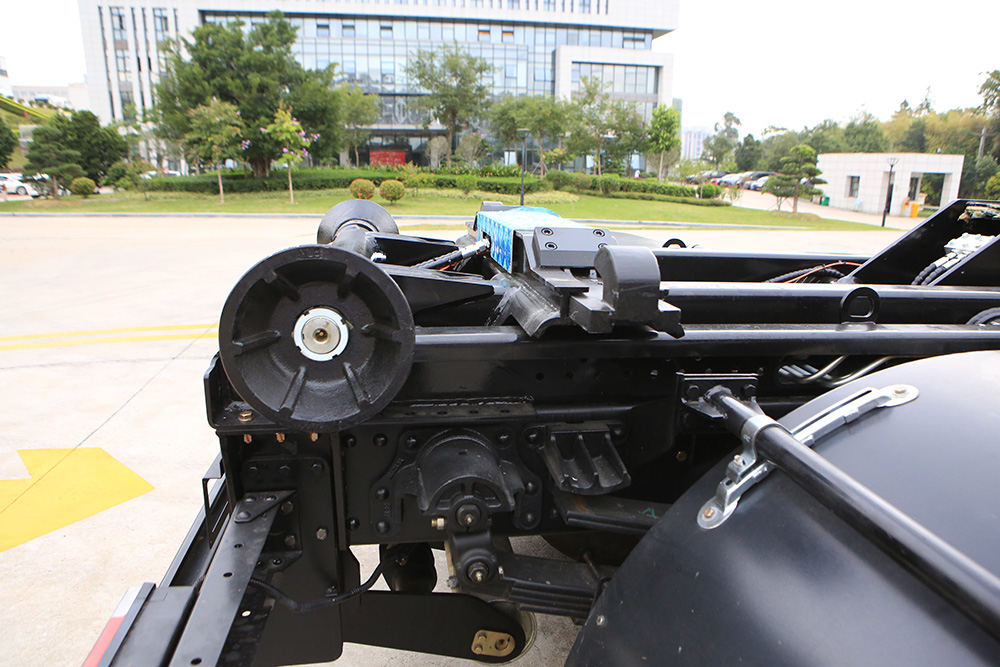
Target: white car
column 16, row 187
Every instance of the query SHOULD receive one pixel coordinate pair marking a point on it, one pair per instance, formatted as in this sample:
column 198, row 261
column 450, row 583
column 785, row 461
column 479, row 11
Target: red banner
column 387, row 158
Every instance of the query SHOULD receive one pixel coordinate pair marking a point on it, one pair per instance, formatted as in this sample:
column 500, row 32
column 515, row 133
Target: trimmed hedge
column 328, row 179
column 674, row 200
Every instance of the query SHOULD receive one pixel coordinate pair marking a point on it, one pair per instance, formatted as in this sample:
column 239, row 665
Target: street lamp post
column 893, row 161
column 524, row 157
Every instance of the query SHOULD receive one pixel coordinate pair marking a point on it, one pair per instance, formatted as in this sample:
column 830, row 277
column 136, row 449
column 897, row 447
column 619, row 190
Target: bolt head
column 382, row 493
column 709, row 512
column 314, row 436
column 353, row 523
column 245, row 416
column 380, row 440
column 382, row 527
column 602, row 621
column 290, row 541
column 322, row 534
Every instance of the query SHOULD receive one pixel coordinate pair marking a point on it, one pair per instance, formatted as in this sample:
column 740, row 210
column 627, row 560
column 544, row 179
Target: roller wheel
column 361, row 212
column 316, row 338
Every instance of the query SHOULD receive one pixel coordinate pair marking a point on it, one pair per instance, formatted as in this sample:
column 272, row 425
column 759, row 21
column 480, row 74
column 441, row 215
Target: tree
column 798, row 176
column 453, row 79
column 864, row 134
column 471, row 148
column 50, row 153
column 664, row 133
column 8, row 142
column 254, row 70
column 720, row 146
column 748, row 154
column 778, row 144
column 287, row 132
column 826, row 137
column 628, row 134
column 593, row 120
column 546, row 119
column 98, row 147
column 215, row 135
column 360, row 112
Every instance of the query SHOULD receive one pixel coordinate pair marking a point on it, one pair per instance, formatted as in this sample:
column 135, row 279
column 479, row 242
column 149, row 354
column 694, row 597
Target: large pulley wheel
column 361, row 212
column 316, row 338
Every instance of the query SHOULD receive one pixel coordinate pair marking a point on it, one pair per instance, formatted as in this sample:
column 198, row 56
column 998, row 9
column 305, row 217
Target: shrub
column 119, row 171
column 993, row 187
column 392, row 190
column 500, row 169
column 609, row 184
column 362, row 188
column 467, row 184
column 582, row 181
column 667, row 198
column 709, row 191
column 82, row 186
column 560, row 180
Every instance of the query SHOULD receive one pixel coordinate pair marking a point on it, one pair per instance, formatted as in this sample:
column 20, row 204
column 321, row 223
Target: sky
column 781, row 63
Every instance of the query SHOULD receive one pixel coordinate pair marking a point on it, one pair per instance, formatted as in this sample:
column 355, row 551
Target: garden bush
column 362, row 188
column 392, row 190
column 650, row 196
column 328, row 179
column 583, row 182
column 609, row 184
column 709, row 191
column 467, row 184
column 560, row 180
column 82, row 186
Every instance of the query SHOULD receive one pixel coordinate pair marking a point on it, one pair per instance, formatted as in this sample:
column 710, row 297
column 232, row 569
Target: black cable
column 302, row 607
column 988, row 316
column 819, row 271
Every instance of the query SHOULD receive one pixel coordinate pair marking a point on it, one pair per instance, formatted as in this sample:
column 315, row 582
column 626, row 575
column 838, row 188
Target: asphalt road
column 107, row 327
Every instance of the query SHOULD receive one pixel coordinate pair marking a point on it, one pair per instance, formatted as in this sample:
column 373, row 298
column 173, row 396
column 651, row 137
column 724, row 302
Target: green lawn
column 428, row 203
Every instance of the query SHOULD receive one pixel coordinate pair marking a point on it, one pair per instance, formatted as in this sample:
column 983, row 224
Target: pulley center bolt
column 478, row 572
column 320, row 334
column 468, row 515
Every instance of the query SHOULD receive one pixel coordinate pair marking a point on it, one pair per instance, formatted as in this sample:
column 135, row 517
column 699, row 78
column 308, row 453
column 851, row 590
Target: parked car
column 758, row 184
column 755, row 176
column 732, row 179
column 15, row 186
column 705, row 176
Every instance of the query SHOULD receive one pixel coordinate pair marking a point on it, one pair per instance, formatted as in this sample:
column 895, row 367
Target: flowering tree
column 216, row 130
column 287, row 133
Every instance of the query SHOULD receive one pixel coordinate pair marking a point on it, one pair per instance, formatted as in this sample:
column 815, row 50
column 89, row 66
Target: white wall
column 873, row 171
column 567, row 55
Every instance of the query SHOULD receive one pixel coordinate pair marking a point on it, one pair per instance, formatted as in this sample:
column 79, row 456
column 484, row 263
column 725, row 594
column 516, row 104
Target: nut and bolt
column 350, row 441
column 477, row 572
column 382, row 527
column 709, row 512
column 682, row 456
column 243, row 514
column 247, row 438
column 599, row 232
column 270, row 499
column 530, row 487
column 412, row 442
column 602, row 621
column 245, row 416
column 551, row 246
column 290, row 541
column 438, row 523
column 254, row 471
column 382, row 493
column 314, row 436
column 546, row 231
column 287, row 507
column 322, row 534
column 900, row 391
column 353, row 523
column 532, row 436
column 380, row 440
column 468, row 515
column 280, row 437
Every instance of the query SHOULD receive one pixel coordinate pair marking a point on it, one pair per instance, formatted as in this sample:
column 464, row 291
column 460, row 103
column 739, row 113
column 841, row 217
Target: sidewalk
column 766, row 202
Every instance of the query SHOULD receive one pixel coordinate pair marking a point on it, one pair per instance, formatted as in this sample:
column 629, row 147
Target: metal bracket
column 745, row 470
column 252, row 505
column 497, row 644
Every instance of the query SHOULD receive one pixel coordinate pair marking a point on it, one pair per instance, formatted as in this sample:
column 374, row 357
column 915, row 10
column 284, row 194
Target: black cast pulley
column 316, row 338
column 361, row 213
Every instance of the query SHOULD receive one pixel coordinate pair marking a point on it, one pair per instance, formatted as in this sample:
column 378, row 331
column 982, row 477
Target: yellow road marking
column 66, row 486
column 117, row 339
column 101, row 332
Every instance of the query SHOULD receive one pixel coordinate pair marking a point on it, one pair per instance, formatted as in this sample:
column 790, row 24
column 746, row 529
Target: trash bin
column 824, row 201
column 914, row 209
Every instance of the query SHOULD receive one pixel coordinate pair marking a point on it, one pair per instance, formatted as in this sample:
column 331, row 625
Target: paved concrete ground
column 147, row 293
column 767, row 202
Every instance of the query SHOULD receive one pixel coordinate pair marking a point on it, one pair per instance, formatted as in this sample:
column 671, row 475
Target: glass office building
column 535, row 47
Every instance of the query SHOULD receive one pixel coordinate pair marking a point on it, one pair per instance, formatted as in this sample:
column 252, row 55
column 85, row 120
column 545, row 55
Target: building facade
column 536, row 47
column 864, row 181
column 5, row 88
column 693, row 142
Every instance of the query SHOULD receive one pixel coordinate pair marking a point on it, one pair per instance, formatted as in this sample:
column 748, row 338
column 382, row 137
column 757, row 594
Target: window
column 584, row 6
column 545, row 73
column 510, row 71
column 385, row 32
column 853, row 186
column 118, row 24
column 322, row 29
column 349, row 67
column 549, row 5
column 507, row 36
column 484, row 34
column 348, row 30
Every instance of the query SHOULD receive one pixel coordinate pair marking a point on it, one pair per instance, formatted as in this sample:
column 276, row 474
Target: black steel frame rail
column 970, row 588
